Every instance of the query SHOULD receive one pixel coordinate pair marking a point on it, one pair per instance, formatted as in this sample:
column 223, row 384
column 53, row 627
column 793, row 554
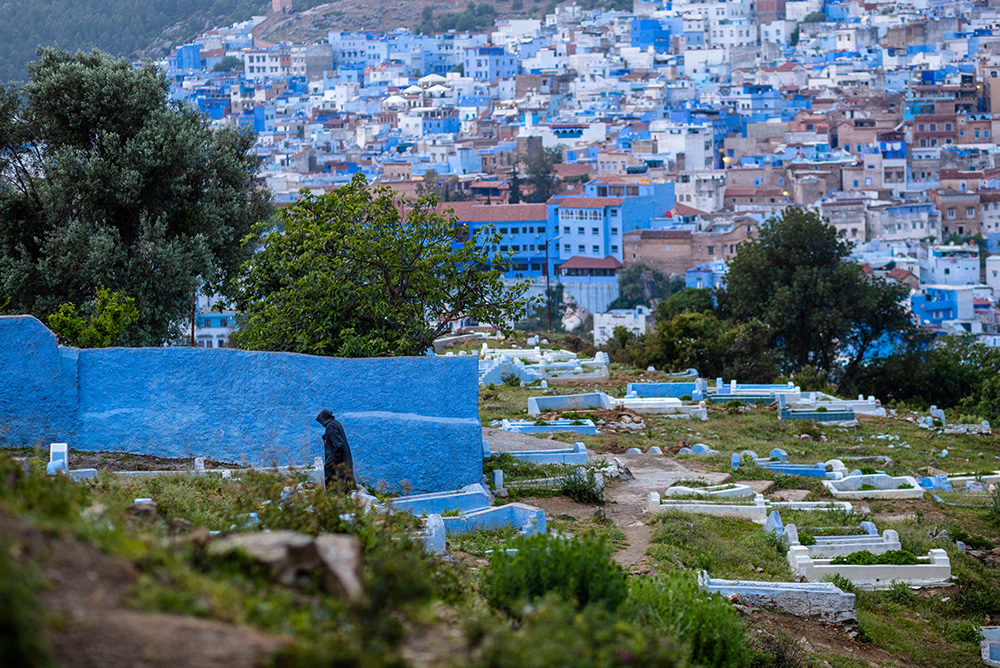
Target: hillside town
column 675, row 130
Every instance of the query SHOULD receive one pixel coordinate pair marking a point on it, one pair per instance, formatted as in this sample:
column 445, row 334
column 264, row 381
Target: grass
column 725, row 547
column 481, row 543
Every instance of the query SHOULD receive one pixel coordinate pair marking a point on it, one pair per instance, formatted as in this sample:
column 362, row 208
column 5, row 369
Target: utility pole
column 548, row 295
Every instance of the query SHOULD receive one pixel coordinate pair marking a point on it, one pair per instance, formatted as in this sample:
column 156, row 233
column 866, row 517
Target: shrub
column 511, row 380
column 971, row 541
column 557, row 634
column 774, row 651
column 685, row 397
column 582, row 489
column 899, row 592
column 866, row 558
column 675, row 605
column 580, row 570
column 822, row 409
column 807, row 539
column 733, row 407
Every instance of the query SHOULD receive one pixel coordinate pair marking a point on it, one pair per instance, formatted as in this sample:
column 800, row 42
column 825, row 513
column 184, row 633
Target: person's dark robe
column 338, row 463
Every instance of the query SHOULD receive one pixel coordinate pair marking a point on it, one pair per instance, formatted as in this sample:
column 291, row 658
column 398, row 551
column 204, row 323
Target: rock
column 293, row 557
column 144, row 508
column 341, row 555
column 93, row 512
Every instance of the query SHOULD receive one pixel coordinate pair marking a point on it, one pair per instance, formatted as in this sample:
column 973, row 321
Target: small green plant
column 867, row 488
column 866, row 558
column 510, row 380
column 112, row 314
column 577, row 423
column 868, row 470
column 685, row 397
column 971, row 541
column 807, row 539
column 899, row 592
column 582, row 488
column 580, row 570
column 733, row 407
column 822, row 409
column 541, row 423
column 840, row 582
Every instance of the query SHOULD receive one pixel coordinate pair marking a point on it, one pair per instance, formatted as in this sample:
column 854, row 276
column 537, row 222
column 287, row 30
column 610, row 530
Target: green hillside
column 120, row 27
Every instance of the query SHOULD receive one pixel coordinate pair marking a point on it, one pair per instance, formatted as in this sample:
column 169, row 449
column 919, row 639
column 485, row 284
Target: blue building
column 593, row 225
column 708, row 275
column 523, row 229
column 489, row 63
column 189, row 57
column 943, row 302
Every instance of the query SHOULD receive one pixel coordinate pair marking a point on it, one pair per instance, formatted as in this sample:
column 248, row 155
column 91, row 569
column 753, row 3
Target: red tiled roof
column 899, row 274
column 685, row 210
column 501, row 213
column 577, row 262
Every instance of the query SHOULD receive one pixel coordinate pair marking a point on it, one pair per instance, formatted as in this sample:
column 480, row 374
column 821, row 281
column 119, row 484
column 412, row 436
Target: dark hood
column 324, row 417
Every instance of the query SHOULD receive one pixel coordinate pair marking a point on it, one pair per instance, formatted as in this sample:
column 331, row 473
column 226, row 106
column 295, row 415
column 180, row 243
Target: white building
column 950, row 265
column 634, row 320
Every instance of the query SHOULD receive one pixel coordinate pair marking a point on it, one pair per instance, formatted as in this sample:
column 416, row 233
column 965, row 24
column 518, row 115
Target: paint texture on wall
column 412, row 422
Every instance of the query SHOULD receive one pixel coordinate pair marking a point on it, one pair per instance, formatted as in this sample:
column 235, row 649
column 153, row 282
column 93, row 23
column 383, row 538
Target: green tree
column 359, row 272
column 541, row 174
column 795, row 278
column 112, row 315
column 228, row 64
column 688, row 300
column 815, row 17
column 105, row 182
column 640, row 285
column 515, row 186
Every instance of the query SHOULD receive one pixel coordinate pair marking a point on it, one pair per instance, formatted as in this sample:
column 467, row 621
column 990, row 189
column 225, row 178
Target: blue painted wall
column 412, row 422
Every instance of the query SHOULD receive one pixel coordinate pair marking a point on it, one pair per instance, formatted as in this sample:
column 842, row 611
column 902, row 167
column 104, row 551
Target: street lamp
column 548, row 294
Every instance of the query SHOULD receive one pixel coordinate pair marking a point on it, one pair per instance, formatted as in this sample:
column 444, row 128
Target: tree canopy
column 638, row 285
column 105, row 183
column 796, row 279
column 360, row 272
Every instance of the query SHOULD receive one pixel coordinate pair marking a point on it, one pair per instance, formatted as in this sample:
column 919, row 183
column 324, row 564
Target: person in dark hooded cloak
column 338, row 463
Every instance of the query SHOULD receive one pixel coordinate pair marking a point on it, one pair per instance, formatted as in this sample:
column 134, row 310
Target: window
column 970, row 212
column 567, row 247
column 711, row 250
column 986, row 134
column 503, row 230
column 632, row 191
column 614, row 248
column 951, row 214
column 597, row 249
column 976, row 134
column 594, row 230
column 614, row 212
column 961, row 133
column 513, row 230
column 566, row 229
column 579, row 230
column 581, row 248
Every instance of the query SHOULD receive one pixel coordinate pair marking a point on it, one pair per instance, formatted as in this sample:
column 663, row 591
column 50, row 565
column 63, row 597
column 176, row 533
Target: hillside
column 120, row 27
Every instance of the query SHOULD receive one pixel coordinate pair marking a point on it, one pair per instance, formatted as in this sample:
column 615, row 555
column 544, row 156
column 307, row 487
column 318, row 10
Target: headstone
column 633, row 451
column 735, row 460
column 59, row 452
column 654, row 450
column 199, row 465
column 544, row 384
column 498, row 478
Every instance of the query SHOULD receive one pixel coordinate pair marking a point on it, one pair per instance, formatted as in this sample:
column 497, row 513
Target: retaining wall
column 404, row 417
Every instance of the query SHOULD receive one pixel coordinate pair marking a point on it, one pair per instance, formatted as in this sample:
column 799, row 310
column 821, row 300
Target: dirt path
column 627, row 500
column 87, row 595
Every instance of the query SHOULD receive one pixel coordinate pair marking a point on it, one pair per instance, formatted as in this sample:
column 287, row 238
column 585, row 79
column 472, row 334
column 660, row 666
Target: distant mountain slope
column 121, row 27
